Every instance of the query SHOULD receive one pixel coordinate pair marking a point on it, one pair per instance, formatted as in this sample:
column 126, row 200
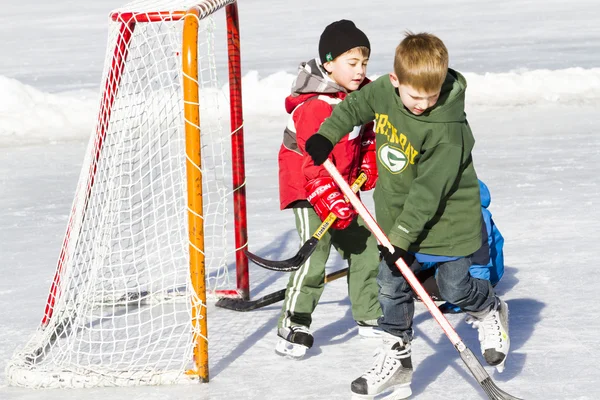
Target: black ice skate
column 294, row 342
column 493, row 334
column 392, row 369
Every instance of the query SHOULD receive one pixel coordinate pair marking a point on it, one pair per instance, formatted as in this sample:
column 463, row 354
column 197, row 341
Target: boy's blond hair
column 421, row 61
column 362, row 50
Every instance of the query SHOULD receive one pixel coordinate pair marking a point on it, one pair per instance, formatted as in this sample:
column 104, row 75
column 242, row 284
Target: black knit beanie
column 339, row 37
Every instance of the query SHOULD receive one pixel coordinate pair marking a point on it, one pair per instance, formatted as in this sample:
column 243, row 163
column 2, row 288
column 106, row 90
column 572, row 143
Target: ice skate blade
column 369, row 332
column 290, row 350
column 400, row 392
column 500, row 367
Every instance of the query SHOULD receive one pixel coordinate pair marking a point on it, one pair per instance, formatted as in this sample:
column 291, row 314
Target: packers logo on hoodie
column 392, row 158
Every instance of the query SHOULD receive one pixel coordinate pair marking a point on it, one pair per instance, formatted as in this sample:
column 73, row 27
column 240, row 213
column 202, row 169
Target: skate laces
column 287, row 332
column 386, row 360
column 299, row 328
column 489, row 328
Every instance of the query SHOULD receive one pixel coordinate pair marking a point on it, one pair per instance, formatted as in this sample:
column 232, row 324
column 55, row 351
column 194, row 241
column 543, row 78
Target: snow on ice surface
column 533, row 99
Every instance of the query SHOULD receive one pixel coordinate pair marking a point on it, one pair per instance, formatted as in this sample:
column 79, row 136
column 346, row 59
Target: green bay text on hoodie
column 427, row 194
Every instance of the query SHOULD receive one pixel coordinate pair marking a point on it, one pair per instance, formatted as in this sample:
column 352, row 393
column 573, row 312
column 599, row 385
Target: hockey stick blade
column 289, row 265
column 487, row 384
column 249, row 305
column 295, row 262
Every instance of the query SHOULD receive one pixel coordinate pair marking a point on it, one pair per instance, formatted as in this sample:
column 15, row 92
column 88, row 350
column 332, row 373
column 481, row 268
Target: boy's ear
column 394, row 80
column 326, row 67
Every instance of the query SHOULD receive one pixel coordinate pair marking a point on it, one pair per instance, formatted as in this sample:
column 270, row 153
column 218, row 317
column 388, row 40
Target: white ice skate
column 369, row 329
column 293, row 342
column 493, row 334
column 392, row 369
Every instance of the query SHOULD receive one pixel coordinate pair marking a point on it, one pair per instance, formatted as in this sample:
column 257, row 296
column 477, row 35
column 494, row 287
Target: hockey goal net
column 159, row 211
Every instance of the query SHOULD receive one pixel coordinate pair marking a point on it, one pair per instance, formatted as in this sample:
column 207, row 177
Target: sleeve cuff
column 399, row 241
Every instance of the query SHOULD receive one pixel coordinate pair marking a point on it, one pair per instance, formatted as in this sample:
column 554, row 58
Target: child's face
column 415, row 101
column 348, row 70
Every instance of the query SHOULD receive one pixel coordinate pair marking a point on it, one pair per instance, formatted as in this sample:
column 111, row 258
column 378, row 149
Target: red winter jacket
column 312, row 100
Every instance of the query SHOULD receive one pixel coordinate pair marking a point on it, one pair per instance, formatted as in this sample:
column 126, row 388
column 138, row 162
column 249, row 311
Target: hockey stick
column 249, row 305
column 472, row 363
column 295, row 262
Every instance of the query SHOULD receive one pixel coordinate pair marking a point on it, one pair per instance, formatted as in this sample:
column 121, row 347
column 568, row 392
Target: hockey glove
column 369, row 163
column 318, row 148
column 391, row 258
column 325, row 197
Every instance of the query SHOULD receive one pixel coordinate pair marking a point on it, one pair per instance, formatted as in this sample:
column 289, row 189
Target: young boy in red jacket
column 310, row 192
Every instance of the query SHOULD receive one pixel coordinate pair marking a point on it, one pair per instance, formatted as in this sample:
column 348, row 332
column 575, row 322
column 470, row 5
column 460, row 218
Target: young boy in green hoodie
column 426, row 200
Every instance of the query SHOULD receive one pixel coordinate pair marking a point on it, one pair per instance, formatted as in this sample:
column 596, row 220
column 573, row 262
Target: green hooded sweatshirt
column 427, row 194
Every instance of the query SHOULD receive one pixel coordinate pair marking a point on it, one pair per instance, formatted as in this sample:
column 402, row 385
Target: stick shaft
column 404, row 269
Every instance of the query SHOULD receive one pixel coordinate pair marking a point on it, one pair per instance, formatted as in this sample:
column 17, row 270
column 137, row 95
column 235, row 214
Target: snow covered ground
column 533, row 99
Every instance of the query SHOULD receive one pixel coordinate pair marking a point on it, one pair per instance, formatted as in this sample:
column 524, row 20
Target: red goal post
column 124, row 247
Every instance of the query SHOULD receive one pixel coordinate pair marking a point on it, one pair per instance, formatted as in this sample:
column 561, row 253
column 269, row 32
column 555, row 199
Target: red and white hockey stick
column 472, row 363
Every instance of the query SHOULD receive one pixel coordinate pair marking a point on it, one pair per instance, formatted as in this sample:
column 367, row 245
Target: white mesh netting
column 122, row 308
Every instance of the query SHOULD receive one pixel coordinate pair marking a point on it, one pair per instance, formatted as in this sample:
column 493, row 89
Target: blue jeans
column 456, row 286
